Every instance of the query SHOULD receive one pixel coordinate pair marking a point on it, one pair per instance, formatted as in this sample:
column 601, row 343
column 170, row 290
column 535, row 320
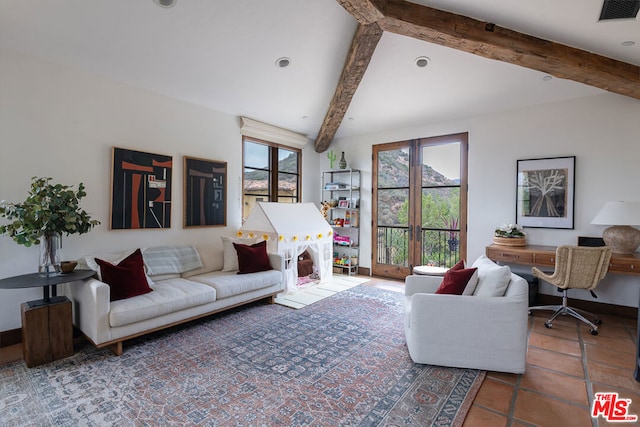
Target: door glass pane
column 393, row 208
column 441, row 164
column 393, row 168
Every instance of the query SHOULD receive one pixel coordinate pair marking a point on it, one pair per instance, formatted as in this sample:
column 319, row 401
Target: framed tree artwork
column 140, row 190
column 205, row 192
column 545, row 192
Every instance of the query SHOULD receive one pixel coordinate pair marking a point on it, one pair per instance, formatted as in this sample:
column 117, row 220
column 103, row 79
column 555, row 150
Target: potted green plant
column 49, row 211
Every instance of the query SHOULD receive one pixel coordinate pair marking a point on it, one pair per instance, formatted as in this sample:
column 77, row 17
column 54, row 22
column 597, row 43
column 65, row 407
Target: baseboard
column 590, row 306
column 11, row 337
column 364, row 271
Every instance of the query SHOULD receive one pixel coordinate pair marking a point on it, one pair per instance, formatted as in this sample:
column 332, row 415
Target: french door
column 419, row 204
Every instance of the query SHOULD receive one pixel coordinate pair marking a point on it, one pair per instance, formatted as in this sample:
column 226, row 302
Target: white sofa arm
column 277, row 262
column 91, row 308
column 421, row 284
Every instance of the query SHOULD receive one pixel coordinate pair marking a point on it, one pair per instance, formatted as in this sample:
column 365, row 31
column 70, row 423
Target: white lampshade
column 618, row 213
column 622, row 238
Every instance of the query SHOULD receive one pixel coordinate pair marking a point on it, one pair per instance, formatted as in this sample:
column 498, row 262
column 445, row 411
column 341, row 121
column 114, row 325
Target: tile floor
column 566, row 365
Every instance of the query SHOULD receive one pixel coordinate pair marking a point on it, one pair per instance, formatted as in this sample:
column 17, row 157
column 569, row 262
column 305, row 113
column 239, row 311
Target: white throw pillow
column 471, row 284
column 230, row 256
column 493, row 279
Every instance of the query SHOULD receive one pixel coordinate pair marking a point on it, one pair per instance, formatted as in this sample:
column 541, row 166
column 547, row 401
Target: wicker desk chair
column 577, row 267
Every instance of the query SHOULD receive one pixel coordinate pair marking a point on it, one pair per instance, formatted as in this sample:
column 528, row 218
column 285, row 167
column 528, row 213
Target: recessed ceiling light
column 305, row 117
column 422, row 61
column 351, row 119
column 547, row 78
column 628, row 43
column 283, row 62
column 165, row 3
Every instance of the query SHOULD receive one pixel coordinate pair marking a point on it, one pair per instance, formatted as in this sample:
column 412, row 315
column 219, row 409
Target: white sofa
column 176, row 298
column 467, row 331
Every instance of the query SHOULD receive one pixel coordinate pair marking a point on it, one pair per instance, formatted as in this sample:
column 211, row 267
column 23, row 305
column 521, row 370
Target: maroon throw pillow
column 458, row 266
column 127, row 279
column 252, row 258
column 455, row 281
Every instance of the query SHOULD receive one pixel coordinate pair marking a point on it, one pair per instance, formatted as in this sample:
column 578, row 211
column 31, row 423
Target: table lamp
column 621, row 237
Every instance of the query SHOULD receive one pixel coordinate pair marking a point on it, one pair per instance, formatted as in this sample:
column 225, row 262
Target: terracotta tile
column 561, row 328
column 633, row 409
column 608, row 375
column 480, row 417
column 556, row 344
column 608, row 356
column 611, row 343
column 495, row 395
column 542, row 410
column 503, row 376
column 569, row 365
column 555, row 384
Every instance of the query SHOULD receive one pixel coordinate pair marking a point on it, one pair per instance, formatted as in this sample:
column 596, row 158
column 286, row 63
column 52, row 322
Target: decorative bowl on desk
column 68, row 266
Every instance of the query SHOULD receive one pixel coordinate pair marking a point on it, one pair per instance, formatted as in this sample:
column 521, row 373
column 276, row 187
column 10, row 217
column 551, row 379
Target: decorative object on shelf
column 545, row 192
column 324, row 210
column 509, row 235
column 343, row 162
column 333, row 203
column 343, row 204
column 49, row 211
column 621, row 236
column 332, row 158
column 68, row 266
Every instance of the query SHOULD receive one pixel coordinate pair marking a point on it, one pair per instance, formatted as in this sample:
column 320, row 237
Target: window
column 271, row 173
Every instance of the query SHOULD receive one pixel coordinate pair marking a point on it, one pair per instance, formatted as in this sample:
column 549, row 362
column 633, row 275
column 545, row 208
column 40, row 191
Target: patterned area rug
column 339, row 362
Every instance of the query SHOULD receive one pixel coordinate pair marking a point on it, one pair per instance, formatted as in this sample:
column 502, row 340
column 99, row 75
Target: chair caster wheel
column 547, row 325
column 598, row 322
column 593, row 332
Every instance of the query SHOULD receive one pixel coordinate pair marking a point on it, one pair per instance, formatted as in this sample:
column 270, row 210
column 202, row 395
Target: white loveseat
column 468, row 331
column 176, row 298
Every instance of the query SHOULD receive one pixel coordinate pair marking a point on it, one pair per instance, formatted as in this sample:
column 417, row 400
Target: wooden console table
column 47, row 327
column 545, row 256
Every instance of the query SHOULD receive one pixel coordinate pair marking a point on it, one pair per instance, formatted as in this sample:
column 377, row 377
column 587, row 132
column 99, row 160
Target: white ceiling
column 222, row 54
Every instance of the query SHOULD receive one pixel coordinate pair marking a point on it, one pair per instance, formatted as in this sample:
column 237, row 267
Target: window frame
column 273, row 171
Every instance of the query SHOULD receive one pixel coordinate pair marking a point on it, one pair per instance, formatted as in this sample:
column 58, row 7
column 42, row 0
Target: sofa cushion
column 228, row 284
column 455, row 281
column 167, row 297
column 252, row 258
column 127, row 278
column 493, row 279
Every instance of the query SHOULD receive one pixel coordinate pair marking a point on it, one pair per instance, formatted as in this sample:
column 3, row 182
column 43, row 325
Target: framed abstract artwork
column 140, row 190
column 545, row 192
column 205, row 192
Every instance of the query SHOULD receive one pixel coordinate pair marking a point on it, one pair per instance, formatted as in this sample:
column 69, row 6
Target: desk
column 47, row 326
column 545, row 256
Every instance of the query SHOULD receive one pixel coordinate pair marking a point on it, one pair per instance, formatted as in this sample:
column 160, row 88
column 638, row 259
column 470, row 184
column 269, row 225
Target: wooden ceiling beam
column 493, row 42
column 362, row 47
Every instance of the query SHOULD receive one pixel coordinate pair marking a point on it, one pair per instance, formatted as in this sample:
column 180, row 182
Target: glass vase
column 343, row 162
column 50, row 255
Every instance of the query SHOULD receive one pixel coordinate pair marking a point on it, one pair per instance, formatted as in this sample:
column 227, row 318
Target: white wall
column 601, row 131
column 63, row 123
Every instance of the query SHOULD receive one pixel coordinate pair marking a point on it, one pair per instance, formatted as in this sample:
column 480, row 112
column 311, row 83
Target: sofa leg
column 116, row 348
column 271, row 299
